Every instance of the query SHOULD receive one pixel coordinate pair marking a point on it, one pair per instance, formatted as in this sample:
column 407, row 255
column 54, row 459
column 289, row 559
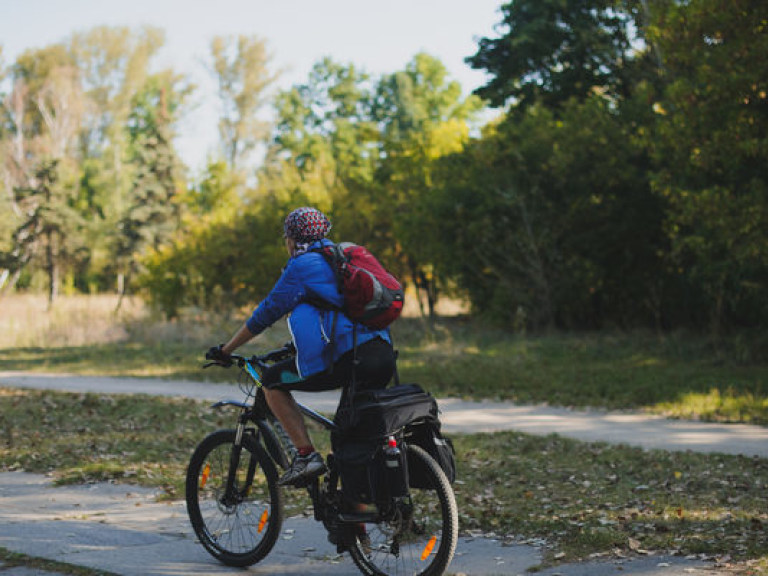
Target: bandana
column 306, row 225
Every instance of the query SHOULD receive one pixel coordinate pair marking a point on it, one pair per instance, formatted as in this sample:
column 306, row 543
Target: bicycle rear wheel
column 420, row 546
column 238, row 528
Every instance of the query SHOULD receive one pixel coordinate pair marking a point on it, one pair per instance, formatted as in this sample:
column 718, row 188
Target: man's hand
column 216, row 354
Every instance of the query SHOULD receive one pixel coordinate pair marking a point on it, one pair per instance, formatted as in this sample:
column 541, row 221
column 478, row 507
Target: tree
column 710, row 154
column 241, row 69
column 153, row 212
column 40, row 167
column 113, row 65
column 423, row 118
column 550, row 219
column 225, row 254
column 327, row 147
column 50, row 232
column 552, row 50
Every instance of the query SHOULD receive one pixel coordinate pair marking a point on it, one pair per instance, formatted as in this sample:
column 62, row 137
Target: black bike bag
column 378, row 413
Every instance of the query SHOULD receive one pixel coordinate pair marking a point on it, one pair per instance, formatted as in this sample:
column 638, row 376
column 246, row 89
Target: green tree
column 50, row 233
column 153, row 213
column 710, row 154
column 423, row 117
column 226, row 253
column 113, row 65
column 548, row 221
column 326, row 148
column 43, row 117
column 241, row 70
column 552, row 50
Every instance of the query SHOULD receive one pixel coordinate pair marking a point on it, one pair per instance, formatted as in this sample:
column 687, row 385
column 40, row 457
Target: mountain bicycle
column 236, row 506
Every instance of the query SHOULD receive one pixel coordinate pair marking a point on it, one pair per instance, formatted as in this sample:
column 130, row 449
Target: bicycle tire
column 428, row 545
column 243, row 531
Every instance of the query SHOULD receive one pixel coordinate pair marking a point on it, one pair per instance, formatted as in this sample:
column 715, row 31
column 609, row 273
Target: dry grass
column 81, row 320
column 26, row 321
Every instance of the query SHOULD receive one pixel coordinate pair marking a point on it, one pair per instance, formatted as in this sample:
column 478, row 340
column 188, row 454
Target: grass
column 683, row 376
column 584, row 499
column 10, row 559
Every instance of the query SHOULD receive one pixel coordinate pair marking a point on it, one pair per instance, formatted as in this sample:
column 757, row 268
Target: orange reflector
column 206, row 473
column 429, row 547
column 263, row 520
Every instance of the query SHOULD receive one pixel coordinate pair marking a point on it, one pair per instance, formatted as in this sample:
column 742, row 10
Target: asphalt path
column 124, row 530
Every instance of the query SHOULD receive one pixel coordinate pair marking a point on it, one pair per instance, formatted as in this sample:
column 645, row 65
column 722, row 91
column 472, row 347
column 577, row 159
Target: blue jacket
column 308, row 277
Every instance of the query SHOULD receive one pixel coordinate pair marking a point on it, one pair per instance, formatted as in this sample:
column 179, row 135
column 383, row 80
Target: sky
column 377, row 37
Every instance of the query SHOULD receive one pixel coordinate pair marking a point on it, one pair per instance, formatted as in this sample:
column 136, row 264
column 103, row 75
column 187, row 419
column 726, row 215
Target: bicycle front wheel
column 240, row 523
column 423, row 542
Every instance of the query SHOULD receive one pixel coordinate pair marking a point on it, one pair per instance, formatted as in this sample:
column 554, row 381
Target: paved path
column 123, row 530
column 636, row 429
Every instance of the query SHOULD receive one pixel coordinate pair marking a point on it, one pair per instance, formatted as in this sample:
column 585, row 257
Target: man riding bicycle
column 329, row 346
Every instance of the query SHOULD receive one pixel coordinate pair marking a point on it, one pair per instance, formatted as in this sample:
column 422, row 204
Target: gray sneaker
column 303, row 468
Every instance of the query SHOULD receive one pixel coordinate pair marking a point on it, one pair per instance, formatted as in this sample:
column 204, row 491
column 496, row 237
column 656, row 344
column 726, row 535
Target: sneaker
column 303, row 468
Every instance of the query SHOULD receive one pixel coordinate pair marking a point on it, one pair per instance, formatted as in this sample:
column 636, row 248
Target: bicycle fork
column 232, row 494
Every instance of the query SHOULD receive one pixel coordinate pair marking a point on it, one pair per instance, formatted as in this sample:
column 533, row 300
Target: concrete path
column 635, row 429
column 122, row 529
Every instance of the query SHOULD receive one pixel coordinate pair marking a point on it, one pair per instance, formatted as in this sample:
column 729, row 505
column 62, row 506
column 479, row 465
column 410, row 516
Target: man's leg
column 308, row 463
column 284, row 407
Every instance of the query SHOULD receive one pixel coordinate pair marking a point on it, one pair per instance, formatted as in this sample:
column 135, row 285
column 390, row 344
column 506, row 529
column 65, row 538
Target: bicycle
column 236, row 506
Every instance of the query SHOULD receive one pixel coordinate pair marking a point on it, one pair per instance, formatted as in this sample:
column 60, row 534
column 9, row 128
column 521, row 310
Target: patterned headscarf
column 306, row 225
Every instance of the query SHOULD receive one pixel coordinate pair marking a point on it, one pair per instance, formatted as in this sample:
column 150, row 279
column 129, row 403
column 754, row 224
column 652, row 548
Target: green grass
column 583, row 498
column 681, row 376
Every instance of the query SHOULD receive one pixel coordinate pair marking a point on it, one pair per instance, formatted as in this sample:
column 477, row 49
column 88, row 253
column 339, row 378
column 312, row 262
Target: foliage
column 152, row 214
column 677, row 234
column 622, row 186
column 229, row 259
column 64, row 119
column 240, row 67
column 553, row 50
column 710, row 153
column 533, row 220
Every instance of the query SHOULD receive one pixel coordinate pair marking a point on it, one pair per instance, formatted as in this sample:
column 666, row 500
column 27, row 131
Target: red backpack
column 372, row 296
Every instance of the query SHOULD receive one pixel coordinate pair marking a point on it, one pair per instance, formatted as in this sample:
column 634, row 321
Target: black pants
column 376, row 365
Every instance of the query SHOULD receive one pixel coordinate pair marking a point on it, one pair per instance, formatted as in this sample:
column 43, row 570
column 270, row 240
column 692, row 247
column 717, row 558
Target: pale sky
column 378, row 37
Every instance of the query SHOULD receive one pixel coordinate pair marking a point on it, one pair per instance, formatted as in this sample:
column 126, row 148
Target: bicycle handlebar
column 287, row 351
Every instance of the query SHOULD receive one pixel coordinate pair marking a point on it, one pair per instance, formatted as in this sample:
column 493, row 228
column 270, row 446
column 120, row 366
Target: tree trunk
column 53, row 273
column 122, row 289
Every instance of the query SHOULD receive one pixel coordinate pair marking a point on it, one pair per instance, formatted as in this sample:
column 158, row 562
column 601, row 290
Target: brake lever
column 209, row 364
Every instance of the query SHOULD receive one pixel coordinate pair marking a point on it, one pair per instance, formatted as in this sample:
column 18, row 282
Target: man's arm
column 241, row 337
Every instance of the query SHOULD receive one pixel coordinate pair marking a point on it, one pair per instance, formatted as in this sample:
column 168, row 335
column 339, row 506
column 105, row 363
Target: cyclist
column 328, row 344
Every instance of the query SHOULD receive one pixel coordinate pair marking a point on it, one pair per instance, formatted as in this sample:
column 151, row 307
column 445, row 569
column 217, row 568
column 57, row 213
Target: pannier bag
column 358, row 462
column 427, row 435
column 371, row 416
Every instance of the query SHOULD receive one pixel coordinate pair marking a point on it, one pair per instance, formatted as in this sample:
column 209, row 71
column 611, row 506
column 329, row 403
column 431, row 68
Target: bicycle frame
column 266, row 426
column 247, row 473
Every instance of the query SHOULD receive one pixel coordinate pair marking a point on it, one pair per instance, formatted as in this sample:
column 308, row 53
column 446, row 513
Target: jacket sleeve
column 287, row 293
